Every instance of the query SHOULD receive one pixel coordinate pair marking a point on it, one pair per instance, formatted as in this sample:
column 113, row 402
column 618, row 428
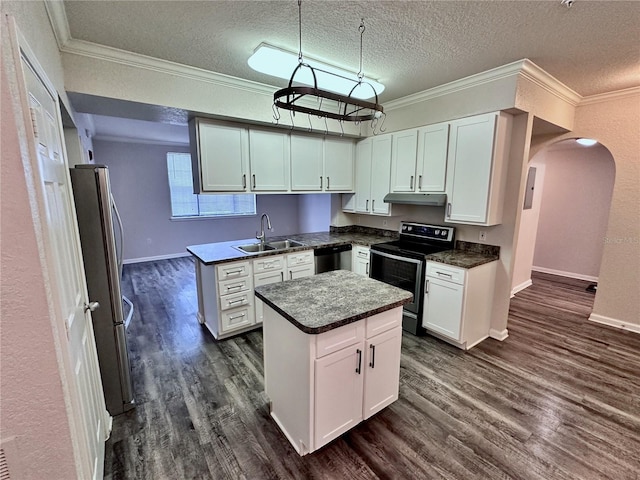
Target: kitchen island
column 331, row 353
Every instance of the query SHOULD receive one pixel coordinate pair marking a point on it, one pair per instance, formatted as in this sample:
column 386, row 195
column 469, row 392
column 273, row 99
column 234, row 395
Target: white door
column 403, row 161
column 269, row 160
column 363, row 176
column 443, row 307
column 338, row 165
column 382, row 371
column 306, row 163
column 380, row 173
column 79, row 371
column 433, row 142
column 338, row 393
column 265, row 279
column 224, row 152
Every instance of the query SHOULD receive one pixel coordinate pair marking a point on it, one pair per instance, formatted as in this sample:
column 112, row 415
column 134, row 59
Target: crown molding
column 609, row 96
column 58, row 19
column 143, row 141
column 551, row 84
column 481, row 78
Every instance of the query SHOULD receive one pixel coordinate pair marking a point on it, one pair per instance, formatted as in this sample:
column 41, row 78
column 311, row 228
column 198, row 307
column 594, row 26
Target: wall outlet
column 483, row 236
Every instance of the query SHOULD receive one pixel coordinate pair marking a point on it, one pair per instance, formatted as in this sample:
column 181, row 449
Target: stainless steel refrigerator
column 102, row 238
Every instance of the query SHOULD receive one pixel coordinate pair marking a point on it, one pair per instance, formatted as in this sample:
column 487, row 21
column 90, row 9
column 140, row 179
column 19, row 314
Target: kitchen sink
column 254, row 248
column 279, row 245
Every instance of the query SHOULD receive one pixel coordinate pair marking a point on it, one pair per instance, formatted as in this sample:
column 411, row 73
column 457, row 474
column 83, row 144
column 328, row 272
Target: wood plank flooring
column 558, row 399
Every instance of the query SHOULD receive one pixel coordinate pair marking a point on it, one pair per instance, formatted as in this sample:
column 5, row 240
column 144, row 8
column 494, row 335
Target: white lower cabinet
column 323, row 385
column 458, row 302
column 360, row 260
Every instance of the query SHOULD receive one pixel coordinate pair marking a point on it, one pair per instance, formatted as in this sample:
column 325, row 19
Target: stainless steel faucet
column 262, row 236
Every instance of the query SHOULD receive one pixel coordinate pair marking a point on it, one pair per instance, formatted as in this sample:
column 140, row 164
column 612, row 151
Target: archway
column 563, row 229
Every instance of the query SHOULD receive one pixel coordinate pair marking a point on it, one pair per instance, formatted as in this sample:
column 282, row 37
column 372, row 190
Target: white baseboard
column 612, row 322
column 519, row 288
column 499, row 334
column 157, row 257
column 561, row 273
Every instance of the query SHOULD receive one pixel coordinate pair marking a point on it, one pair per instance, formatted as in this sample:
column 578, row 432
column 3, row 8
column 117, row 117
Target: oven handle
column 396, row 257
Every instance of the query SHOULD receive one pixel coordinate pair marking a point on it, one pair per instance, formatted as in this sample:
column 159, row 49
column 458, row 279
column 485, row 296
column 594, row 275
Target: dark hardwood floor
column 558, row 399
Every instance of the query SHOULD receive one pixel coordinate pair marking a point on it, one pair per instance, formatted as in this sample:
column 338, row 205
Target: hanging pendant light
column 336, row 106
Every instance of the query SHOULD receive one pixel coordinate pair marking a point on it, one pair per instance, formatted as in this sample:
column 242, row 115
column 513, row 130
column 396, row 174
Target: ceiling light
column 586, row 142
column 280, row 63
column 321, row 90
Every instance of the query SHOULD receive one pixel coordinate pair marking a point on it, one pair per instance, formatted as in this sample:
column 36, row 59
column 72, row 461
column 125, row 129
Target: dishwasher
column 332, row 258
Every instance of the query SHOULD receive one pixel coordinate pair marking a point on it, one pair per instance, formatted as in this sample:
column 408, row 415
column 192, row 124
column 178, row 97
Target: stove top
column 417, row 240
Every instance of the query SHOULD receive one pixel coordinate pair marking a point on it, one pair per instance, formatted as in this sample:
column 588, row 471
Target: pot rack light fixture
column 343, row 96
column 586, row 142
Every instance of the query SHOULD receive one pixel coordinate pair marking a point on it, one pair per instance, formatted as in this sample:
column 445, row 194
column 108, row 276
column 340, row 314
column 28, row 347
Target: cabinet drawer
column 445, row 272
column 233, row 270
column 361, row 252
column 235, row 286
column 268, row 263
column 384, row 321
column 300, row 258
column 267, row 278
column 235, row 300
column 339, row 338
column 236, row 319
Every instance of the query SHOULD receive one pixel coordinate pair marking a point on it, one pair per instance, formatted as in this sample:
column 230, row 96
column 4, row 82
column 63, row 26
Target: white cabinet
column 457, row 302
column 307, row 163
column 476, row 176
column 300, row 264
column 360, row 260
column 322, row 385
column 225, row 297
column 220, row 156
column 431, row 165
column 321, row 165
column 269, row 160
column 373, row 169
column 403, row 161
column 338, row 165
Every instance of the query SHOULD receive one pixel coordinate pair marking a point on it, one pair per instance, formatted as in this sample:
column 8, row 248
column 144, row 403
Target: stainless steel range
column 402, row 263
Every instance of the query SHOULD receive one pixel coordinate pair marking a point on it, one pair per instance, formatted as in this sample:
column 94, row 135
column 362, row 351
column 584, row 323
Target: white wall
column 314, row 212
column 141, row 189
column 574, row 211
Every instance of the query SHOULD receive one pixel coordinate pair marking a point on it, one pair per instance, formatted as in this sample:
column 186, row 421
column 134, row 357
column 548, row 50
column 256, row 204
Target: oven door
column 402, row 272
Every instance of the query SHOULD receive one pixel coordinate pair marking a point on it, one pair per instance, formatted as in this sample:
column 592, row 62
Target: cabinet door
column 223, row 155
column 403, row 161
column 470, row 162
column 338, row 393
column 382, row 371
column 363, row 176
column 433, row 142
column 380, row 173
column 265, row 279
column 306, row 163
column 360, row 261
column 300, row 271
column 338, row 165
column 269, row 160
column 443, row 307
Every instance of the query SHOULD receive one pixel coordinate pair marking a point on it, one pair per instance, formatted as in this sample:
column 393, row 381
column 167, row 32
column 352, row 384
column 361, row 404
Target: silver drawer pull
column 233, row 302
column 237, row 316
column 234, row 272
column 444, row 274
column 234, row 287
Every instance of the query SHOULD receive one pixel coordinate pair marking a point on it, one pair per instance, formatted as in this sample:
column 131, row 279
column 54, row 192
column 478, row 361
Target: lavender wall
column 140, row 187
column 314, row 212
column 578, row 183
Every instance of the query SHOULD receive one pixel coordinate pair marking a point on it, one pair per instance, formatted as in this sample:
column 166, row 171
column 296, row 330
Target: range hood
column 425, row 199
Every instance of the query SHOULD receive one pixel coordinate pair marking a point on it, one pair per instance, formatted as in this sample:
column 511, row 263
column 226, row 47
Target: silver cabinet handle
column 282, row 276
column 448, row 209
column 444, row 274
column 91, row 306
column 233, row 272
column 372, row 363
column 320, row 183
column 367, row 206
column 244, row 181
column 367, row 269
column 254, row 180
column 233, row 302
column 411, row 183
column 373, row 205
column 359, row 367
column 290, row 275
column 419, row 182
column 237, row 316
column 328, row 184
column 234, row 287
column 426, row 287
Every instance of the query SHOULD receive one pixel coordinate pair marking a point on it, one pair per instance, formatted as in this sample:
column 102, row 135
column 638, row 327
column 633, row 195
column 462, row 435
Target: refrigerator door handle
column 121, row 232
column 123, row 360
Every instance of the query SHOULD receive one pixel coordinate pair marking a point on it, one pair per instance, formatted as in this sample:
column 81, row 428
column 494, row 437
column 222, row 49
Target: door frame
column 15, row 46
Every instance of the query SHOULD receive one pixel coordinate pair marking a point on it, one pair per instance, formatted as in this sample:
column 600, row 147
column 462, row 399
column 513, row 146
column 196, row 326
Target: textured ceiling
column 592, row 47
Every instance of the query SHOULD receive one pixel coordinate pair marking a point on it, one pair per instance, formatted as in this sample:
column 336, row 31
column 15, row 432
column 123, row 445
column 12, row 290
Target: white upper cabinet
column 220, row 155
column 403, row 161
column 338, row 165
column 306, row 163
column 431, row 168
column 380, row 172
column 269, row 160
column 476, row 177
column 363, row 176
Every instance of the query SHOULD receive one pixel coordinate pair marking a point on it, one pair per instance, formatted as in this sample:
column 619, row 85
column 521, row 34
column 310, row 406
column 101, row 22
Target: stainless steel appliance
column 101, row 237
column 402, row 263
column 332, row 258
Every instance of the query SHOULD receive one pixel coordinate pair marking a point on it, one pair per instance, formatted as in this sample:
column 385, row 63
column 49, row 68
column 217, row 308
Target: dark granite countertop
column 330, row 300
column 467, row 255
column 222, row 252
